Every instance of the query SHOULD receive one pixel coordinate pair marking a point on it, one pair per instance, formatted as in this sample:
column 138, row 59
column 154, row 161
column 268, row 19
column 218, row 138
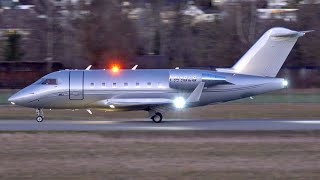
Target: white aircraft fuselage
column 137, row 89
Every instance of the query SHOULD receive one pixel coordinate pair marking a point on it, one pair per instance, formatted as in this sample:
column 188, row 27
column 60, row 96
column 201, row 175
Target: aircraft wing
column 155, row 104
column 140, row 101
column 193, row 97
column 135, row 101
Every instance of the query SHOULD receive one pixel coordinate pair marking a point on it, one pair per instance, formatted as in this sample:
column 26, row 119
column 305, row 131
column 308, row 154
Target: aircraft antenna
column 89, row 67
column 134, row 67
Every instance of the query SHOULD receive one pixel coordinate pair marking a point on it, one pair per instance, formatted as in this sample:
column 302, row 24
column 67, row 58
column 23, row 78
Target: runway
column 168, row 125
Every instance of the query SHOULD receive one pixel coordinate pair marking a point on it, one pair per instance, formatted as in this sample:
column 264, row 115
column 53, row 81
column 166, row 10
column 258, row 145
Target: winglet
column 89, row 67
column 195, row 95
column 134, row 67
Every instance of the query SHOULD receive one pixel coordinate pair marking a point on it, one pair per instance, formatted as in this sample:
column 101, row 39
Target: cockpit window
column 49, row 82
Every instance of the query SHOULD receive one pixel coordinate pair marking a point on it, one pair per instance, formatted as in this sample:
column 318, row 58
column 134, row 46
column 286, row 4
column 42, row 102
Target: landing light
column 285, row 83
column 112, row 106
column 13, row 103
column 179, row 102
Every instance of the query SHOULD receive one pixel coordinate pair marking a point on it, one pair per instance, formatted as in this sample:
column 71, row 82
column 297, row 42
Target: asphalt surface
column 173, row 125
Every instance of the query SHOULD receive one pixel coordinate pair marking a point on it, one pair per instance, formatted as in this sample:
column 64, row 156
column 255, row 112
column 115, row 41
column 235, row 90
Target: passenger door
column 76, row 85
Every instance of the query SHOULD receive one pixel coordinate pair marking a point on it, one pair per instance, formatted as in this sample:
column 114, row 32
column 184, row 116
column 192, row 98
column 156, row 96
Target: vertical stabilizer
column 268, row 54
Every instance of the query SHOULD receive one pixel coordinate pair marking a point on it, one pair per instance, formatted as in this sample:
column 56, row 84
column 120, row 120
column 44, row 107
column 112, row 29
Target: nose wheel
column 39, row 118
column 39, row 113
column 157, row 118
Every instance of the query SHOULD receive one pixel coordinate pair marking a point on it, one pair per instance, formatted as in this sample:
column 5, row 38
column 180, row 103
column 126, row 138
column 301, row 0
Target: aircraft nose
column 22, row 97
column 14, row 98
column 17, row 98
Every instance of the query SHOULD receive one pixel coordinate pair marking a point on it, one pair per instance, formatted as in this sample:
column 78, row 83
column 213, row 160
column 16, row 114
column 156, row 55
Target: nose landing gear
column 39, row 113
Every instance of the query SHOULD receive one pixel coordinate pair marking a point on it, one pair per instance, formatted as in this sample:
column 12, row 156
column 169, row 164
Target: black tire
column 157, row 118
column 39, row 118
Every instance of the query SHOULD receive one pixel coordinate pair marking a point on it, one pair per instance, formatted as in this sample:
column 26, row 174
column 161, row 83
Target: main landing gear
column 157, row 117
column 39, row 113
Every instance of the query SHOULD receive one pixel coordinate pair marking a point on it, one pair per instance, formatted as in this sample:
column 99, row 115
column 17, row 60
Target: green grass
column 5, row 94
column 4, row 98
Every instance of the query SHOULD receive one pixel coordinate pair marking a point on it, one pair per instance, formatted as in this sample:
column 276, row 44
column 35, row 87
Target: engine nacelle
column 189, row 80
column 180, row 79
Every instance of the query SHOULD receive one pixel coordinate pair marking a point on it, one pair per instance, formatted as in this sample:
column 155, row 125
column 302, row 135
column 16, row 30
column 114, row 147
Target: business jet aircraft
column 160, row 90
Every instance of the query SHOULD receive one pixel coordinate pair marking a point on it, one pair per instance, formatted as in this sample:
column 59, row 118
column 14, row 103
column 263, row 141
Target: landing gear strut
column 39, row 113
column 157, row 118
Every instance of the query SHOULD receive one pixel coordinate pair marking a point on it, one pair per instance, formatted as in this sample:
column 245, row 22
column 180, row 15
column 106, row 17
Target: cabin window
column 91, row 85
column 125, row 84
column 114, row 85
column 49, row 82
column 103, row 84
column 137, row 84
column 149, row 84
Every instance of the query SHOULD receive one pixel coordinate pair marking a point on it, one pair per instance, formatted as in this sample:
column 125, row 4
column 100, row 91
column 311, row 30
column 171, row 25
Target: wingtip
column 305, row 32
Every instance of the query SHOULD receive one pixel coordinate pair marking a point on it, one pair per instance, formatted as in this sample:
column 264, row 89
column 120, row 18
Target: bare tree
column 309, row 20
column 108, row 36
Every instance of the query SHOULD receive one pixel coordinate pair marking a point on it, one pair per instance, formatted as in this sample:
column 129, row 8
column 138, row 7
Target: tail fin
column 268, row 54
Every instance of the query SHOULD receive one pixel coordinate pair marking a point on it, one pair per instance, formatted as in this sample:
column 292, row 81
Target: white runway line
column 168, row 125
column 304, row 122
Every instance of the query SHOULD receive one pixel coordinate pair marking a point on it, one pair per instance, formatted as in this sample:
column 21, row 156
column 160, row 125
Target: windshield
column 49, row 82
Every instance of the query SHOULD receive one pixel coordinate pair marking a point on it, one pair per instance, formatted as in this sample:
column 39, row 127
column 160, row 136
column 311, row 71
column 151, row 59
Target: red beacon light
column 115, row 68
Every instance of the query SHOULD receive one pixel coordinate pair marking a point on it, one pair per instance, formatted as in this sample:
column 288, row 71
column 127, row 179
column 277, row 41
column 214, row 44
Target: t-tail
column 267, row 55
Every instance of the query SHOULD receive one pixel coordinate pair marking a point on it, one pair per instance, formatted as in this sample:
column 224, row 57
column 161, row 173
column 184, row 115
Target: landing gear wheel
column 39, row 113
column 39, row 118
column 157, row 118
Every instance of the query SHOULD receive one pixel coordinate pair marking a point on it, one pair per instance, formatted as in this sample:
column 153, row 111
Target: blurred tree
column 308, row 19
column 179, row 41
column 293, row 3
column 149, row 26
column 102, row 33
column 157, row 43
column 108, row 36
column 204, row 4
column 12, row 51
column 140, row 51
